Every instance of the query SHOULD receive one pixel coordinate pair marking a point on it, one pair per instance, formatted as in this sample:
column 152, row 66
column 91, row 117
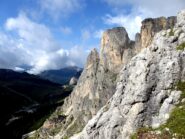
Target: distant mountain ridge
column 61, row 76
column 25, row 101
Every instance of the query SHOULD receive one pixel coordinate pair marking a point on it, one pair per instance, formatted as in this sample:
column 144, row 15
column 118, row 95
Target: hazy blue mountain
column 62, row 76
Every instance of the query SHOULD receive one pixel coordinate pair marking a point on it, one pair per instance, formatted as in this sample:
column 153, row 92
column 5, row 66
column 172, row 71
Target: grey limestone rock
column 73, row 81
column 97, row 84
column 144, row 95
column 181, row 18
column 151, row 26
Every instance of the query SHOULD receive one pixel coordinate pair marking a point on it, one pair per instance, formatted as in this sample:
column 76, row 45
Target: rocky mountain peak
column 99, row 82
column 113, row 44
column 92, row 58
column 147, row 91
column 151, row 26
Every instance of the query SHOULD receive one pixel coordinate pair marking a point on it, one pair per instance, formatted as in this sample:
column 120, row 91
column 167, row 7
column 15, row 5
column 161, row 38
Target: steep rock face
column 144, row 94
column 98, row 80
column 96, row 85
column 151, row 26
column 114, row 43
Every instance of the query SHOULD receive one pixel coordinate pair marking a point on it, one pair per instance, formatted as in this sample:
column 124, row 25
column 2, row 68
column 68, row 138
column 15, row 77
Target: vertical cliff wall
column 151, row 26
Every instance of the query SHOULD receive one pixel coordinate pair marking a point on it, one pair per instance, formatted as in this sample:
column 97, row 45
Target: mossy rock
column 171, row 33
column 175, row 124
column 181, row 46
column 181, row 87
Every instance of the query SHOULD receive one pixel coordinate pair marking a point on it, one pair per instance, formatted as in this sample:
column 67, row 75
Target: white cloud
column 32, row 44
column 77, row 54
column 31, row 33
column 10, row 53
column 18, row 69
column 151, row 7
column 140, row 9
column 132, row 24
column 58, row 8
column 66, row 30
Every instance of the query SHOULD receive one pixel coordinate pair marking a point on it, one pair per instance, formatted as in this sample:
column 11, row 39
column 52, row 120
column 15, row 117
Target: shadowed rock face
column 151, row 26
column 97, row 83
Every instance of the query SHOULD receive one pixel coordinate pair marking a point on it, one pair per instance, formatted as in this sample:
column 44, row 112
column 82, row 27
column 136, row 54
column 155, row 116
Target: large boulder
column 73, row 81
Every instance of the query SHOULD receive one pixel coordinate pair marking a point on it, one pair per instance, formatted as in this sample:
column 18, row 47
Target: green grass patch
column 181, row 46
column 37, row 124
column 181, row 87
column 171, row 33
column 176, row 122
column 114, row 77
column 140, row 131
column 55, row 130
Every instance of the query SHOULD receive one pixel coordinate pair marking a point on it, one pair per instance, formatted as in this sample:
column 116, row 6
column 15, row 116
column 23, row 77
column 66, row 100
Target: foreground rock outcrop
column 145, row 93
column 97, row 85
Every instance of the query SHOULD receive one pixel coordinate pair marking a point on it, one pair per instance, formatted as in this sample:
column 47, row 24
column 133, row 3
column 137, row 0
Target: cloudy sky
column 52, row 34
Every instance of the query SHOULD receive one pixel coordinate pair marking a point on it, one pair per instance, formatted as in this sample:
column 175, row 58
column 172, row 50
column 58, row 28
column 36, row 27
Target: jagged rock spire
column 145, row 93
column 151, row 26
column 113, row 44
column 97, row 83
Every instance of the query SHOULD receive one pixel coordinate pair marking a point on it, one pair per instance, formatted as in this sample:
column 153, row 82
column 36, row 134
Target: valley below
column 26, row 101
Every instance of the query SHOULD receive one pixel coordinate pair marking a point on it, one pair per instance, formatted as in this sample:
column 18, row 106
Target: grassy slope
column 175, row 125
